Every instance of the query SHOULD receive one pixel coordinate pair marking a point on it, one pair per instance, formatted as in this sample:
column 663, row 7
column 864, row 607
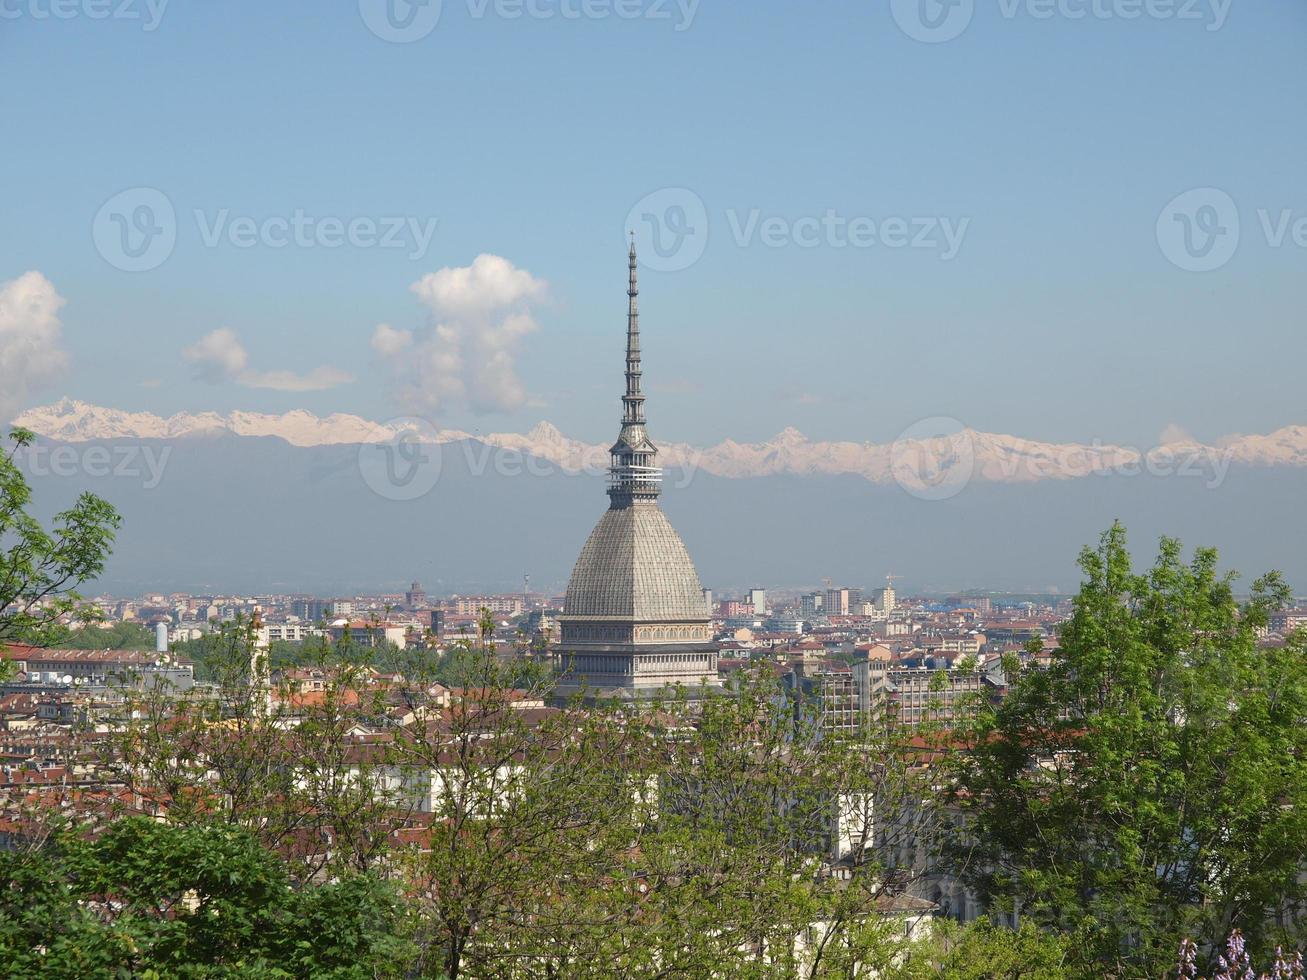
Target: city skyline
column 914, row 589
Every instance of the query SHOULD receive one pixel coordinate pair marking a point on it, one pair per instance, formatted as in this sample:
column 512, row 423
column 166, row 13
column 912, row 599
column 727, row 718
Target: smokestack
column 161, row 638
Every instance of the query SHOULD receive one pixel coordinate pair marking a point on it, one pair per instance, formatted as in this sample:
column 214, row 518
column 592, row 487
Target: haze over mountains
column 293, row 502
column 996, row 457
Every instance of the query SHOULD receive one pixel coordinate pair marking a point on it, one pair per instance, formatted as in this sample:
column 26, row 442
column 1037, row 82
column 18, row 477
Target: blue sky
column 1054, row 141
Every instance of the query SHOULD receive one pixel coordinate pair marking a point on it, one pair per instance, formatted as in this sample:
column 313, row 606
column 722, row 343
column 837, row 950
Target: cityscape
column 382, row 735
column 573, row 489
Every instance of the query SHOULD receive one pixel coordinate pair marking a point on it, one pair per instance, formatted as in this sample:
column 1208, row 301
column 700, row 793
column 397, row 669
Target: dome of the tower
column 634, row 566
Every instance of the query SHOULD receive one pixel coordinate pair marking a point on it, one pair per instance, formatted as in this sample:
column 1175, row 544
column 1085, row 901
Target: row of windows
column 601, row 633
column 625, row 665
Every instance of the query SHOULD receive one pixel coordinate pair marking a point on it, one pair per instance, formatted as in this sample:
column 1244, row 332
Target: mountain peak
column 992, row 457
column 545, row 432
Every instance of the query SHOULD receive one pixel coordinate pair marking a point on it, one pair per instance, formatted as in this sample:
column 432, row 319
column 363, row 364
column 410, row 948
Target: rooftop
column 634, row 566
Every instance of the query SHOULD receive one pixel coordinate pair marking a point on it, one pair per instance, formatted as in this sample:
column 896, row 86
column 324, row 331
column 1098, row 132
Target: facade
column 505, row 605
column 842, row 602
column 310, row 609
column 634, row 620
column 415, row 597
column 785, row 624
column 41, row 665
column 287, row 633
column 827, row 695
column 886, row 599
column 370, row 633
column 917, row 695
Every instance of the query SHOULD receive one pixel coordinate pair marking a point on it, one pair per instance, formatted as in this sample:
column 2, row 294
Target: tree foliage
column 122, row 635
column 41, row 569
column 985, row 950
column 1151, row 782
column 267, row 755
column 682, row 838
column 155, row 900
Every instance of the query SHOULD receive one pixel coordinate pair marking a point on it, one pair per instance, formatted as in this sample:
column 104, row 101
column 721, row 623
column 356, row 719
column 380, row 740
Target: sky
column 1066, row 220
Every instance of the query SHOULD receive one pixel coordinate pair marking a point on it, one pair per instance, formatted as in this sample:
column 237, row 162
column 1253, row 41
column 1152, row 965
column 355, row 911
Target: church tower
column 635, row 619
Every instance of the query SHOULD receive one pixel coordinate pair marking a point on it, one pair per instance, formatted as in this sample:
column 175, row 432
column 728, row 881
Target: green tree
column 149, row 899
column 1151, row 782
column 984, row 950
column 41, row 569
column 267, row 753
column 113, row 636
column 682, row 838
column 750, row 851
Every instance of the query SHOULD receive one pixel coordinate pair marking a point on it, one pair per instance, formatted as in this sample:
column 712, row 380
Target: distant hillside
column 924, row 458
column 255, row 513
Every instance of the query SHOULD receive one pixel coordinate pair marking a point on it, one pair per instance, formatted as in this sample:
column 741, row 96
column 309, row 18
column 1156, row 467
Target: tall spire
column 634, row 473
column 633, row 400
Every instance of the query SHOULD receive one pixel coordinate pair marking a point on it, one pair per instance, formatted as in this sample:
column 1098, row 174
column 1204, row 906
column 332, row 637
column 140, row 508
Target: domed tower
column 635, row 619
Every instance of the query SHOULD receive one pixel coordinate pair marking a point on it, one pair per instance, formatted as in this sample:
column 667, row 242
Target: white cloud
column 319, row 379
column 220, row 356
column 217, row 356
column 386, row 340
column 30, row 354
column 490, row 284
column 467, row 355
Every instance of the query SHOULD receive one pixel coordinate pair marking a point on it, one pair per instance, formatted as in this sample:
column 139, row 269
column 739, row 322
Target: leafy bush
column 147, row 898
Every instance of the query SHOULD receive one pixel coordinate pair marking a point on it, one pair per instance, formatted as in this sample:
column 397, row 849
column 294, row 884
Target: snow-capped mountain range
column 927, row 456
